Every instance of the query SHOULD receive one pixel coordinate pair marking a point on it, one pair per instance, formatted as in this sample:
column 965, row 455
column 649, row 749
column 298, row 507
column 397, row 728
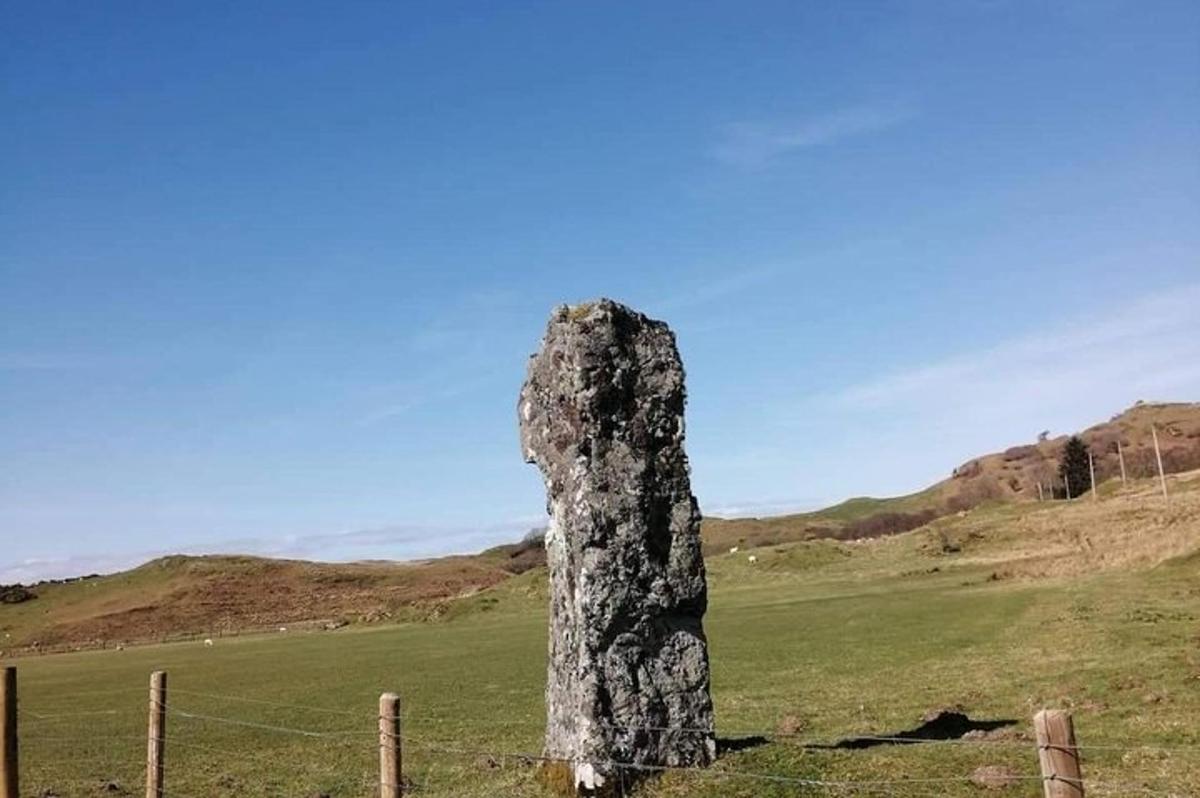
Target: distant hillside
column 1011, row 475
column 183, row 596
column 205, row 596
column 1016, row 472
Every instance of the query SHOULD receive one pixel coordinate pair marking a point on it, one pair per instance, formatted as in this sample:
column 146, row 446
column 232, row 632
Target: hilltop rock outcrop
column 601, row 414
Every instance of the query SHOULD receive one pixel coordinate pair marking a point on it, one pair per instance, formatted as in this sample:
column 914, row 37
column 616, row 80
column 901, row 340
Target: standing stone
column 601, row 414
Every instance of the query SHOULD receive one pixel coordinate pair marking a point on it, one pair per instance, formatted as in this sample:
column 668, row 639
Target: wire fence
column 217, row 744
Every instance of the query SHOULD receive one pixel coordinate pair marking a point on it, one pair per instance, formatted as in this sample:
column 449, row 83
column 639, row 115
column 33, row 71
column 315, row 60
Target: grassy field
column 1091, row 606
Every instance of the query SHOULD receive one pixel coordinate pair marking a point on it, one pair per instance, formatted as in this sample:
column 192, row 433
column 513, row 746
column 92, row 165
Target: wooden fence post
column 1121, row 457
column 1162, row 477
column 156, row 734
column 390, row 784
column 9, row 771
column 1092, row 471
column 1058, row 754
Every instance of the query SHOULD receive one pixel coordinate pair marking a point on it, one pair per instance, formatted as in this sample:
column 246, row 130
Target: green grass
column 863, row 506
column 823, row 640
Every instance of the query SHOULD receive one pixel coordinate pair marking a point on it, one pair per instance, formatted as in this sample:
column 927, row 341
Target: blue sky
column 269, row 272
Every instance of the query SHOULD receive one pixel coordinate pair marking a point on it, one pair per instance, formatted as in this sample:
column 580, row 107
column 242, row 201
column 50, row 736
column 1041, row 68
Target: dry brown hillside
column 1011, row 475
column 1014, row 474
column 200, row 596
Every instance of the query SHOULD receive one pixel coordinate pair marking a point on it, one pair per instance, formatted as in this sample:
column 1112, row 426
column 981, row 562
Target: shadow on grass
column 731, row 745
column 944, row 726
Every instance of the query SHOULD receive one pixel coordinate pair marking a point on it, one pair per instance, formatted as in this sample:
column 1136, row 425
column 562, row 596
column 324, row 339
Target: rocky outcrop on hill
column 15, row 594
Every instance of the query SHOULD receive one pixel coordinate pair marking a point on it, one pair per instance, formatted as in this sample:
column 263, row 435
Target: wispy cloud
column 33, row 361
column 900, row 431
column 422, row 393
column 33, row 569
column 461, row 351
column 1149, row 348
column 752, row 144
column 394, row 542
column 464, row 322
column 734, row 279
column 700, row 292
column 761, row 509
column 397, row 541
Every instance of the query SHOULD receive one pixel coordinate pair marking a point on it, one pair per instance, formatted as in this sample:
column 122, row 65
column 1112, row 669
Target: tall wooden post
column 1162, row 477
column 1092, row 471
column 1067, row 485
column 9, row 771
column 1058, row 754
column 1121, row 457
column 390, row 785
column 156, row 735
column 1041, row 497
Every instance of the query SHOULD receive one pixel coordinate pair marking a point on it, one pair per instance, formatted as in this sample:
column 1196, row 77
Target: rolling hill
column 180, row 597
column 1009, row 476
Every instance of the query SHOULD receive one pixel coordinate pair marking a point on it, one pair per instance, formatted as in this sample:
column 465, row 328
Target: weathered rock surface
column 601, row 414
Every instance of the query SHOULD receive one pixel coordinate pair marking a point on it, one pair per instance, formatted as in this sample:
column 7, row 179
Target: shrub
column 881, row 524
column 15, row 594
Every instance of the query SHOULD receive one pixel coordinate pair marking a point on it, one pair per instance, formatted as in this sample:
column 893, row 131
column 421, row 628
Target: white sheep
column 208, row 641
column 752, row 558
column 734, row 550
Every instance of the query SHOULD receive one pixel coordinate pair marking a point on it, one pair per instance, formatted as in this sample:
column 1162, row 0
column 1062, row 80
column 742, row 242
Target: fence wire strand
column 434, row 751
